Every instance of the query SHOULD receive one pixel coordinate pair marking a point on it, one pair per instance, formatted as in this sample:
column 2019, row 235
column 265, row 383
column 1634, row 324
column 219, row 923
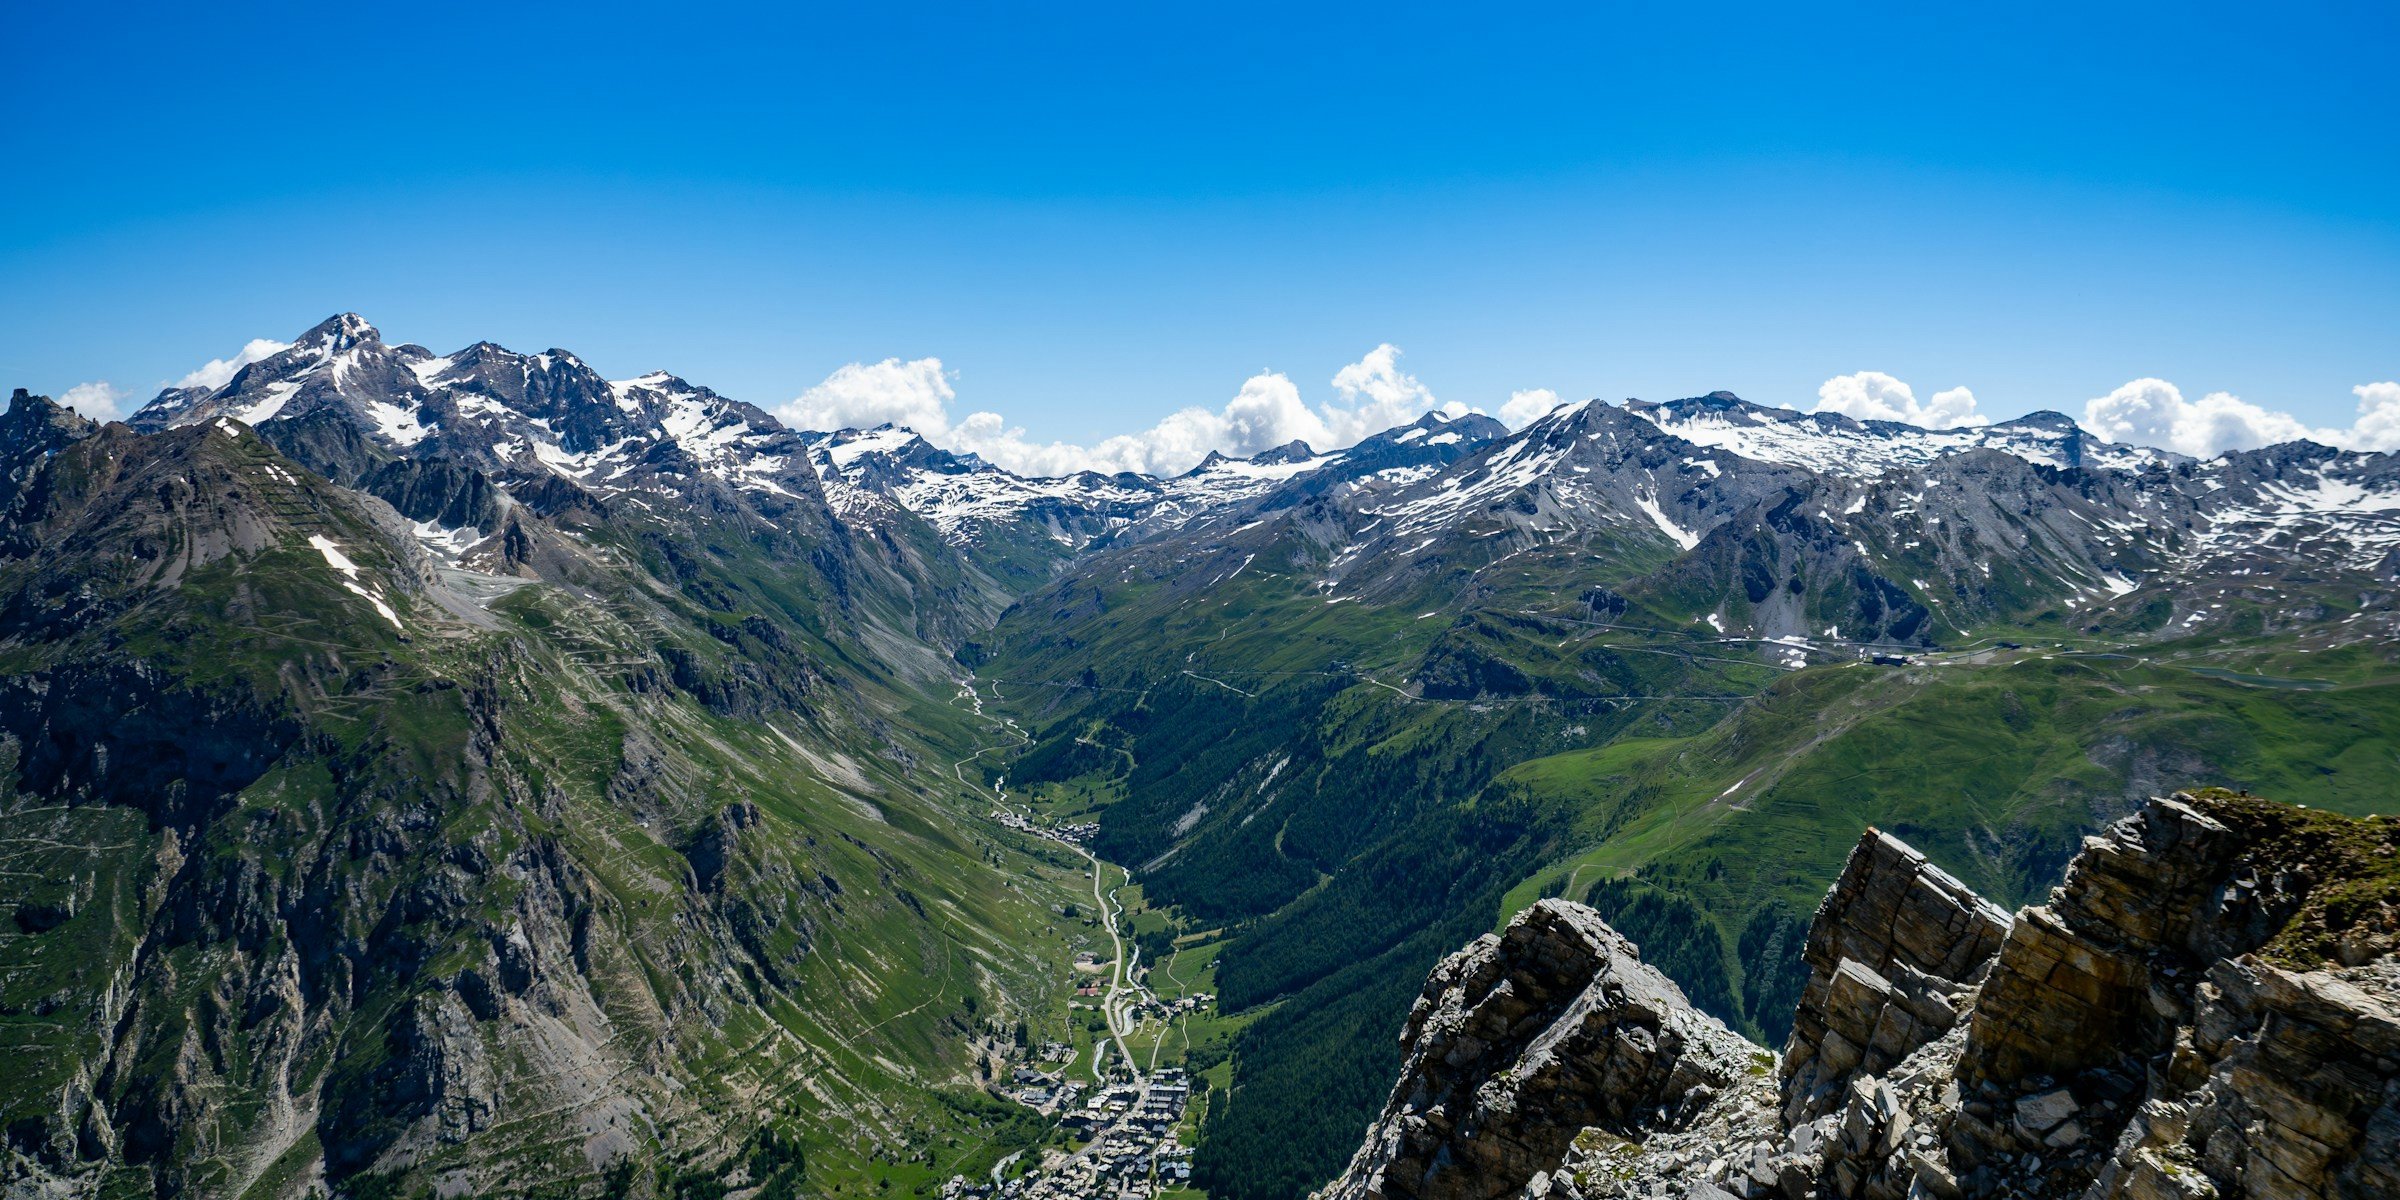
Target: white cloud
column 2153, row 412
column 1267, row 412
column 220, row 371
column 1374, row 394
column 1527, row 406
column 99, row 400
column 1955, row 406
column 915, row 393
column 1875, row 396
column 2378, row 426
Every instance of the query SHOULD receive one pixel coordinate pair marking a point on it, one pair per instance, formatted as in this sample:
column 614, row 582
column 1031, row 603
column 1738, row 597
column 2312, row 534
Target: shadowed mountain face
column 454, row 771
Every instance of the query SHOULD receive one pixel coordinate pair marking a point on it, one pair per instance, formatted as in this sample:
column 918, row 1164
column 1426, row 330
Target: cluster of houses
column 1044, row 1092
column 1018, row 823
column 1133, row 1148
column 1128, row 1125
column 1151, row 1107
column 1166, row 1010
column 1078, row 832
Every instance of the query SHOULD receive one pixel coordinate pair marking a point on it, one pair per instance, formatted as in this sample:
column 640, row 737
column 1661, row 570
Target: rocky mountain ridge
column 2207, row 1006
column 1831, row 441
column 982, row 508
column 344, row 401
column 1882, row 531
column 543, row 428
column 1795, row 563
column 1890, row 530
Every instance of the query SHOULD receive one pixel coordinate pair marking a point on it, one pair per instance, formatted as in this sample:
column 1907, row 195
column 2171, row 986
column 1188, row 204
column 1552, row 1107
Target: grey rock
column 1522, row 1041
column 1894, row 951
column 2121, row 1042
column 2039, row 1114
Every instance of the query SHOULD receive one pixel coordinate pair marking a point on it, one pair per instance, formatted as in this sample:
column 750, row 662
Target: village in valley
column 1119, row 1092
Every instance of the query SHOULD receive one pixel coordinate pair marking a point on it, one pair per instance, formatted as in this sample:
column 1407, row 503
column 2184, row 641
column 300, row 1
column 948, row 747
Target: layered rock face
column 2209, row 1006
column 1522, row 1041
column 1894, row 951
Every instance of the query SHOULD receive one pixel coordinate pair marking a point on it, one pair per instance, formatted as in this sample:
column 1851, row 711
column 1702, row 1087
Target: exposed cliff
column 2208, row 1006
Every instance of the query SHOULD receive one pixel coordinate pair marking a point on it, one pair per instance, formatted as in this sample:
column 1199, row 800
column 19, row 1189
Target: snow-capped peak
column 1835, row 444
column 338, row 332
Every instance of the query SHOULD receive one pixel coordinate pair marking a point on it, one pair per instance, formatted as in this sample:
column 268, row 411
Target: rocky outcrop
column 1896, row 948
column 2287, row 1085
column 2208, row 1006
column 2076, row 974
column 2204, row 1008
column 1524, row 1040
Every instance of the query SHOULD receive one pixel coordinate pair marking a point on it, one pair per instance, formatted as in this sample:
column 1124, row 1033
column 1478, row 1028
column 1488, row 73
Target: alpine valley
column 464, row 775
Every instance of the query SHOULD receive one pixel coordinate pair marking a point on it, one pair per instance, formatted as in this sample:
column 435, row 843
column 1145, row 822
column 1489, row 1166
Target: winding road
column 1120, row 977
column 1119, row 971
column 1123, row 990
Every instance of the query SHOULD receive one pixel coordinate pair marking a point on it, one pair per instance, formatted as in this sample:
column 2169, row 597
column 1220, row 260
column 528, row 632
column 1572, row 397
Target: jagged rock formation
column 1895, row 948
column 2208, row 1006
column 1525, row 1038
column 2205, row 1008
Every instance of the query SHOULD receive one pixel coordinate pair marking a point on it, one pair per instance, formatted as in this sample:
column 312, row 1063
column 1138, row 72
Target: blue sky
column 1094, row 217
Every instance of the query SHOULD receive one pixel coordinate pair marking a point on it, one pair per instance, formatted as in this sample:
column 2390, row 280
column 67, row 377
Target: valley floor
column 1117, row 1100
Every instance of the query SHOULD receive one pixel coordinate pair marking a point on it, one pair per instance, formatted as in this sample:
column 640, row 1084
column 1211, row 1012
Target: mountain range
column 465, row 772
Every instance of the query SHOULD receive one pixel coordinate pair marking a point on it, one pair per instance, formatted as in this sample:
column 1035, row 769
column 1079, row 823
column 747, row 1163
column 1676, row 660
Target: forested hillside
column 1357, row 757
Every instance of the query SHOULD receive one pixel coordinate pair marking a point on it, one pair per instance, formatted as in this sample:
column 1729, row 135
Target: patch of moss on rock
column 2345, row 869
